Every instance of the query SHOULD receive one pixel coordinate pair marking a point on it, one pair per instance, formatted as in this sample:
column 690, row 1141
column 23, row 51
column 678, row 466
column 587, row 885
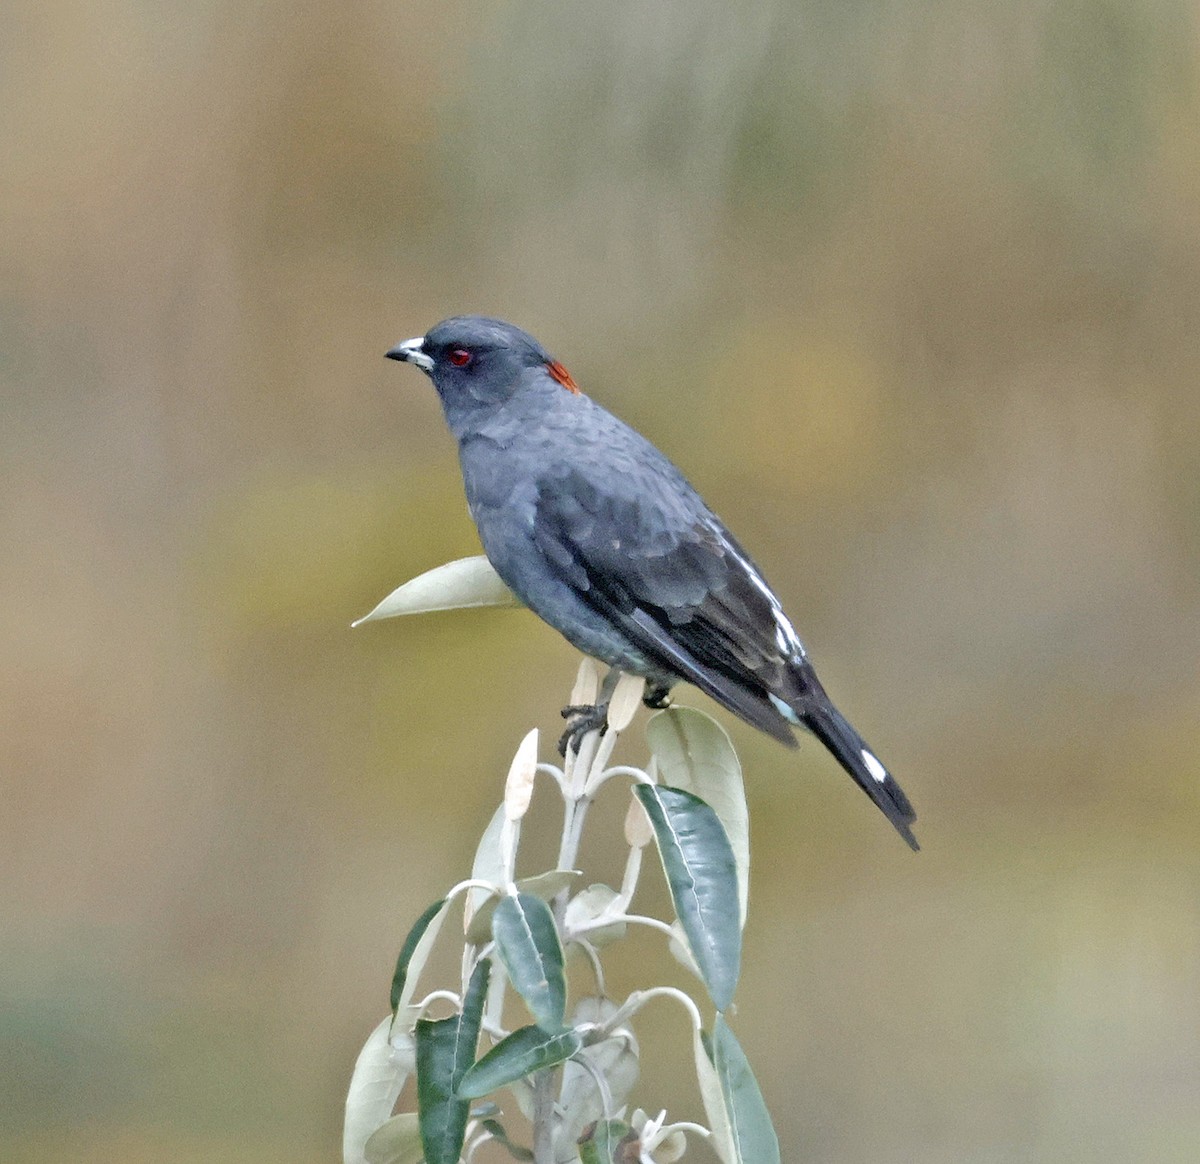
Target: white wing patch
column 877, row 770
column 783, row 709
column 786, row 638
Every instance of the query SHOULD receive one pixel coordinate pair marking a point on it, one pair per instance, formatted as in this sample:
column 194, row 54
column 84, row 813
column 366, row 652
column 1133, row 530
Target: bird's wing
column 661, row 568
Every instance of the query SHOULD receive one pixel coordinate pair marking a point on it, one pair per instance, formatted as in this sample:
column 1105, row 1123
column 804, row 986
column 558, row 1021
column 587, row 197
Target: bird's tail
column 816, row 712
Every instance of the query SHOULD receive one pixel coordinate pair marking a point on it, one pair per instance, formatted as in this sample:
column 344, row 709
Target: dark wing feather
column 666, row 573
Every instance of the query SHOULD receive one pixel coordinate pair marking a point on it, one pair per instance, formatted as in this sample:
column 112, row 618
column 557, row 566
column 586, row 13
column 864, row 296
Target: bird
column 599, row 534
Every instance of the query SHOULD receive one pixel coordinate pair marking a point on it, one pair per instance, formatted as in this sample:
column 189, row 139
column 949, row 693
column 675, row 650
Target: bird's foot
column 581, row 718
column 657, row 696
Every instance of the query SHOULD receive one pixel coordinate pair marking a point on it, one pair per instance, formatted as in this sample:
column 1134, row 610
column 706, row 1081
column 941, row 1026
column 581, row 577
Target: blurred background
column 911, row 292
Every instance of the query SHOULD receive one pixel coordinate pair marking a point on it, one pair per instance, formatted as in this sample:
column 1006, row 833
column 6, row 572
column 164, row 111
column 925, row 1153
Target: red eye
column 460, row 357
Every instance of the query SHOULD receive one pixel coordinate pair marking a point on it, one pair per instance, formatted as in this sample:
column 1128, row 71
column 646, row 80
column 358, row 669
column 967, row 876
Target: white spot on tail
column 874, row 767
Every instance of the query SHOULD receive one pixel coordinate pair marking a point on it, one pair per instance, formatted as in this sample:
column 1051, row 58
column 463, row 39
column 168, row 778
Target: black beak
column 412, row 352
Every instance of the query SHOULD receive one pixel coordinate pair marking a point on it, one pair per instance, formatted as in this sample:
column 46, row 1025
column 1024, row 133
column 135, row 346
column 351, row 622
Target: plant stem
column 575, row 806
column 543, row 1117
column 580, row 768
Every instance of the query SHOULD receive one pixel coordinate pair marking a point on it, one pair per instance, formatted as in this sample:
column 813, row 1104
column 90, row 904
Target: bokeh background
column 911, row 291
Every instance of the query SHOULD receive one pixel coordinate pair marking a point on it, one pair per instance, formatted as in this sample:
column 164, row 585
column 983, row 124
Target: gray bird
column 603, row 538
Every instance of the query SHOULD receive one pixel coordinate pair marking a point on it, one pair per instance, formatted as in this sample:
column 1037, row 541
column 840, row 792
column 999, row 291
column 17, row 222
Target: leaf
column 543, row 885
column 415, row 952
column 375, row 1086
column 497, row 1132
column 445, row 1051
column 614, row 1059
column 587, row 684
column 522, row 1092
column 713, row 1099
column 603, row 1143
column 638, row 832
column 525, row 1051
column 752, row 1135
column 528, row 945
column 487, row 866
column 589, row 906
column 702, row 877
column 493, row 1008
column 443, row 1119
column 694, row 753
column 469, row 582
column 518, row 789
column 681, row 951
column 670, row 1149
column 625, row 700
column 397, row 1142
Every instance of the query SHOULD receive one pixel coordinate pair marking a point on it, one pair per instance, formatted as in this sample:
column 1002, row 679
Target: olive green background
column 911, row 292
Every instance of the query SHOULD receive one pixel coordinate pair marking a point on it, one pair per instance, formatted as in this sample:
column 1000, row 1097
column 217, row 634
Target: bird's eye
column 460, row 357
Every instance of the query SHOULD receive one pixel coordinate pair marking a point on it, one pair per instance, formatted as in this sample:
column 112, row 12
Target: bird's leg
column 588, row 717
column 657, row 696
column 582, row 718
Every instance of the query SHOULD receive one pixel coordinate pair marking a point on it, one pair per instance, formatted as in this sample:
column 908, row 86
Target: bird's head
column 478, row 363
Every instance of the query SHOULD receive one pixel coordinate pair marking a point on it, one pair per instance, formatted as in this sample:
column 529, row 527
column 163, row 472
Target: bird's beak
column 412, row 352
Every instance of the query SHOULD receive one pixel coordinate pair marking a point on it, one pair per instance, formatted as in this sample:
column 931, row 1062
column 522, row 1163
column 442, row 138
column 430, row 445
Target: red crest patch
column 559, row 373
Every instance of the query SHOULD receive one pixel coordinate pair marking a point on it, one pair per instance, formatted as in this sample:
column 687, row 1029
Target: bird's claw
column 657, row 698
column 581, row 718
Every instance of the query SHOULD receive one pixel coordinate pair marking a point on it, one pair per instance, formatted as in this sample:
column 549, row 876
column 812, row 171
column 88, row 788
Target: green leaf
column 415, row 951
column 694, row 753
column 397, row 1142
column 603, row 1142
column 375, row 1086
column 543, row 885
column 469, row 582
column 497, row 1132
column 525, row 1051
column 702, row 877
column 443, row 1120
column 752, row 1136
column 445, row 1050
column 528, row 945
